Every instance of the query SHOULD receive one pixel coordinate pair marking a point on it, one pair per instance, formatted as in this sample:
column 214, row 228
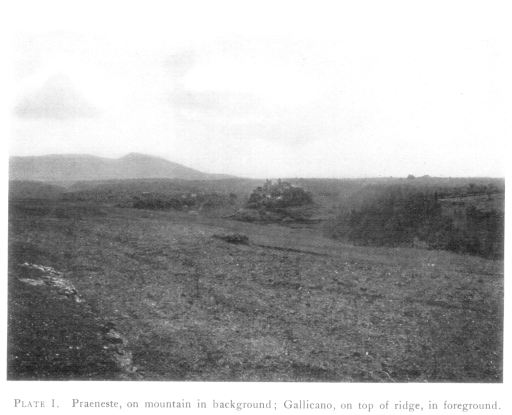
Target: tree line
column 410, row 216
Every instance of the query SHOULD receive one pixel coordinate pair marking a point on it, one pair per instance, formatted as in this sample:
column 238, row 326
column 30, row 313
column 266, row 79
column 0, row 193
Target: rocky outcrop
column 110, row 338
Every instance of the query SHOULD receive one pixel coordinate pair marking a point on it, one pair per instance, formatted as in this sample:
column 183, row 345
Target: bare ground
column 289, row 306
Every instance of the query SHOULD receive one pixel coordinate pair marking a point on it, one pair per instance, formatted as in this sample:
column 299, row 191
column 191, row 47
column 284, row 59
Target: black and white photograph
column 254, row 192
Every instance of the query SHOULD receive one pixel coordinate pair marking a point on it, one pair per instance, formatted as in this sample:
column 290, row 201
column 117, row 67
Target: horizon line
column 234, row 176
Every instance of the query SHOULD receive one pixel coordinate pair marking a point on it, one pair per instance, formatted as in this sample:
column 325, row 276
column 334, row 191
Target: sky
column 265, row 89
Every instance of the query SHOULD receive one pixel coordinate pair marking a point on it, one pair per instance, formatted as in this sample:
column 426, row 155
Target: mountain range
column 74, row 167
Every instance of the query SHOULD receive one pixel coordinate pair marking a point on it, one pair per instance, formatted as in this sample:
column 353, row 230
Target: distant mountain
column 73, row 167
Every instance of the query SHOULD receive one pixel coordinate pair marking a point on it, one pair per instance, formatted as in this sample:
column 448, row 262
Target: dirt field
column 291, row 305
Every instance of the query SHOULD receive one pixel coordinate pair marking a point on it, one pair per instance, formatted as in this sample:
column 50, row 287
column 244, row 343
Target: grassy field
column 292, row 305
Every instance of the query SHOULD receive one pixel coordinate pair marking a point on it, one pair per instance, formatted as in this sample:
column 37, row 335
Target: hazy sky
column 265, row 88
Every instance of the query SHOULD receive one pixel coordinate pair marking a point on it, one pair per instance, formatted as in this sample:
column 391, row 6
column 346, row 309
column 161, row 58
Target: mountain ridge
column 75, row 167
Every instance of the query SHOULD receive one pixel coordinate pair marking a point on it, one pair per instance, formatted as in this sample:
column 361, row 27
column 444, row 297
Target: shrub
column 405, row 216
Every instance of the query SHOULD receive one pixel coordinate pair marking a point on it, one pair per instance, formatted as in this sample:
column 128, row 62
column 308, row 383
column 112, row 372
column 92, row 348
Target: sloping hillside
column 285, row 305
column 72, row 167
